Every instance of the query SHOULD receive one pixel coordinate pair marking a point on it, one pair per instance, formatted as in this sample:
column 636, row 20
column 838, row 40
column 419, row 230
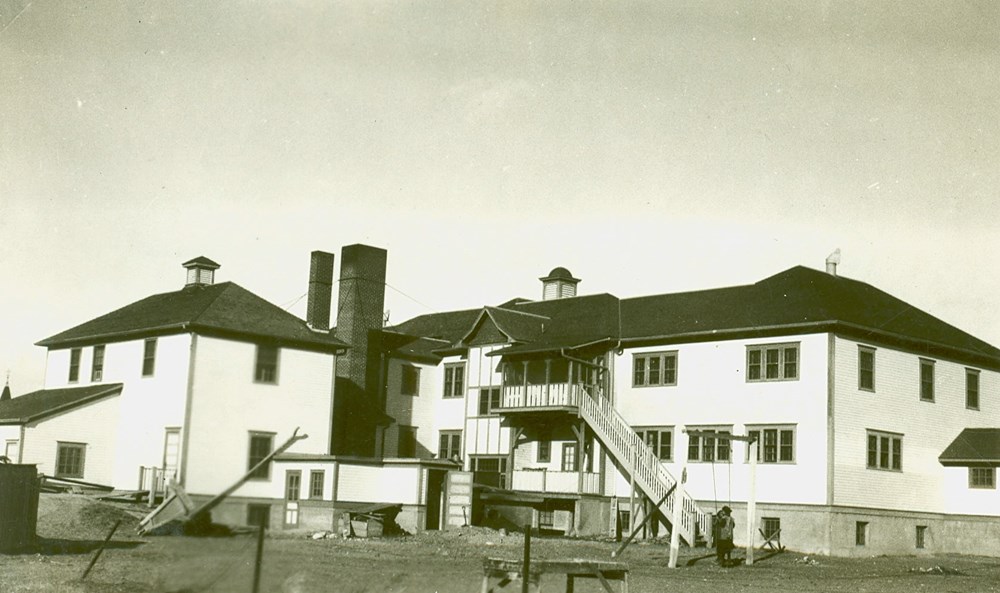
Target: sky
column 648, row 147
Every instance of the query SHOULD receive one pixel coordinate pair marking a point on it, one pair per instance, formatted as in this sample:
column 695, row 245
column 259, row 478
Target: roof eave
column 113, row 389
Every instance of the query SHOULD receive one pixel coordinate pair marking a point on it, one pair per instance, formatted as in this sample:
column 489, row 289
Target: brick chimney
column 320, row 290
column 358, row 407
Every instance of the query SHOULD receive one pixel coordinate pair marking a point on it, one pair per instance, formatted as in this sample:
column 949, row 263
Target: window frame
column 927, row 386
column 717, row 445
column 864, row 351
column 293, row 494
column 81, row 461
column 314, row 492
column 569, row 459
column 409, row 380
column 75, row 354
column 543, row 450
column 782, row 364
column 979, row 484
column 921, row 537
column 778, row 430
column 861, row 533
column 645, row 432
column 149, row 357
column 893, row 458
column 262, row 366
column 263, row 473
column 445, row 450
column 491, row 410
column 972, row 388
column 454, row 381
column 97, row 363
column 644, row 359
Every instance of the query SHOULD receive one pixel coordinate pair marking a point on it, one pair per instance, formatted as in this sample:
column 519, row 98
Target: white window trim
column 660, row 430
column 726, row 429
column 893, row 437
column 866, row 350
column 663, row 356
column 760, row 428
column 780, row 347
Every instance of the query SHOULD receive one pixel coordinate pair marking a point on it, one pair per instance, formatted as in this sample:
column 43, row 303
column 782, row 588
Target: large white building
column 878, row 425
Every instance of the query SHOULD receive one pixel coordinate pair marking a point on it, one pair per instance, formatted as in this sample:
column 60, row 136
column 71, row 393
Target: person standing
column 724, row 543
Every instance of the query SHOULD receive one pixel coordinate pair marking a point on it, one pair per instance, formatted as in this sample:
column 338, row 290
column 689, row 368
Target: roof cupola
column 559, row 284
column 200, row 271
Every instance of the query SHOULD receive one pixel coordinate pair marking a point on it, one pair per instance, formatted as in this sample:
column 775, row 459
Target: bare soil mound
column 82, row 517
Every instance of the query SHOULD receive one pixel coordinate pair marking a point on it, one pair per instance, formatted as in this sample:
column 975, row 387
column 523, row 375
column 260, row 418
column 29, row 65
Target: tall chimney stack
column 361, row 300
column 320, row 290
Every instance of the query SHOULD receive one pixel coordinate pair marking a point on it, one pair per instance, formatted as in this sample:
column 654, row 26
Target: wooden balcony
column 556, row 482
column 549, row 396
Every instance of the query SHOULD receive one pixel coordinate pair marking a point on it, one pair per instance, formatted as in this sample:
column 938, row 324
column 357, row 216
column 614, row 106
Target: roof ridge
column 517, row 312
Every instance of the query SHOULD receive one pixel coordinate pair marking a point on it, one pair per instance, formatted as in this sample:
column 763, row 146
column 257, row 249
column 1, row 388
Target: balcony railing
column 557, row 482
column 545, row 395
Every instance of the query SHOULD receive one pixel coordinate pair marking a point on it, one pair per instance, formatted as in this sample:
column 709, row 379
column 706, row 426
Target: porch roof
column 973, row 446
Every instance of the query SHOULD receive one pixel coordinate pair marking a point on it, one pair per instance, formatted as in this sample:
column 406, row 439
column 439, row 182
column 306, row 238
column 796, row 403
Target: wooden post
column 524, row 367
column 259, row 559
column 752, row 500
column 152, row 488
column 675, row 532
column 548, row 382
column 526, row 565
column 632, row 535
column 100, row 550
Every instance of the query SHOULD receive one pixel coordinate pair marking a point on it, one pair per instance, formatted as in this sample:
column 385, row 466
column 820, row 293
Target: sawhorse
column 508, row 570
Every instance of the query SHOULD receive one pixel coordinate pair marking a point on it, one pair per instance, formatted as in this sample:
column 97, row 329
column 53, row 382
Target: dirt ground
column 72, row 526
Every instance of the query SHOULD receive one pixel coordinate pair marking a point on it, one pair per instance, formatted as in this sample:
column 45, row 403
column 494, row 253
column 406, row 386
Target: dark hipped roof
column 798, row 300
column 973, row 446
column 46, row 402
column 219, row 309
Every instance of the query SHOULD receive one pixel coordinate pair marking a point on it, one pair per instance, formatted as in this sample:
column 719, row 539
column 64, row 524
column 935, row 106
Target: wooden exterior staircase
column 638, row 460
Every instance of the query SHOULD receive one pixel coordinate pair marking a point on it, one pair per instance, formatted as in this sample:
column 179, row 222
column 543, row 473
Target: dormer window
column 200, row 271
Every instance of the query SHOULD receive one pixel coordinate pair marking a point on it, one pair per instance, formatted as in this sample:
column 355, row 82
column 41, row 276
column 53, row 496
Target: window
column 983, row 477
column 774, row 362
column 410, row 380
column 544, row 451
column 293, row 485
column 406, row 446
column 316, row 479
column 921, row 536
column 149, row 357
column 569, row 457
column 775, row 444
column 656, row 368
column 490, row 471
column 74, row 365
column 707, row 447
column 546, row 519
column 659, row 439
column 861, row 533
column 489, row 401
column 972, row 389
column 770, row 527
column 259, row 515
column 10, row 450
column 97, row 369
column 866, row 368
column 454, row 379
column 450, row 444
column 266, row 367
column 69, row 460
column 885, row 451
column 261, row 445
column 926, row 380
